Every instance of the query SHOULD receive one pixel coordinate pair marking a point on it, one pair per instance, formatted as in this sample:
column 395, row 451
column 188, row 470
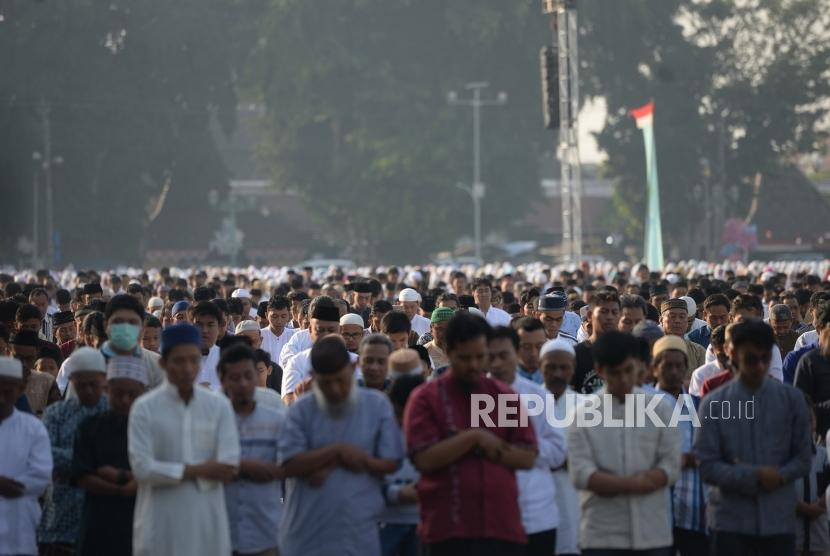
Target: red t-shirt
column 473, row 497
column 715, row 381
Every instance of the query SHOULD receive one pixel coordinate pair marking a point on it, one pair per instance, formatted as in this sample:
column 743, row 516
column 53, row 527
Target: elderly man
column 62, row 510
column 183, row 444
column 411, row 302
column 352, row 330
column 558, row 362
column 435, row 347
column 25, row 467
column 669, row 365
column 334, row 450
column 781, row 321
column 250, row 329
column 373, row 360
column 675, row 321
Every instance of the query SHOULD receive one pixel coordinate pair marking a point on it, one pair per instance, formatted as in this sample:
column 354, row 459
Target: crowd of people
column 319, row 412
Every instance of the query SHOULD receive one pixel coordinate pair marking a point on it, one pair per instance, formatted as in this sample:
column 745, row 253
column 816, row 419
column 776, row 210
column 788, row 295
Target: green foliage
column 130, row 87
column 358, row 121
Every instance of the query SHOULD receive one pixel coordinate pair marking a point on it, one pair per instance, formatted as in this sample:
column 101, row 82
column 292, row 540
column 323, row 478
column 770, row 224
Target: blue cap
column 179, row 334
column 552, row 302
column 179, row 307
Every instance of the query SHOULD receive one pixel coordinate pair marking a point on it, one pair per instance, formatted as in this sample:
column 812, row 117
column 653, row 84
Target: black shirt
column 585, row 379
column 812, row 376
column 107, row 521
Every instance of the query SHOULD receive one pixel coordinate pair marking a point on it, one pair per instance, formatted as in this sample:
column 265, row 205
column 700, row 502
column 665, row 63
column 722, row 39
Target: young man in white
column 183, row 444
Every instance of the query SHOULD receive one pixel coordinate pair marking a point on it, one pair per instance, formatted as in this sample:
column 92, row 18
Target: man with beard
column 336, row 446
column 467, row 493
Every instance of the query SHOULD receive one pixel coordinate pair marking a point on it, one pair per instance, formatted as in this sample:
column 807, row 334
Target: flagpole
column 653, row 249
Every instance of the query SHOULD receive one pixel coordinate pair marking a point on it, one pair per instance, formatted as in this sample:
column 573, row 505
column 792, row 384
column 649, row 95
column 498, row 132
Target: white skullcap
column 128, row 367
column 246, row 326
column 241, row 293
column 86, row 359
column 408, row 294
column 559, row 344
column 351, row 318
column 475, row 311
column 415, row 276
column 155, row 303
column 672, row 278
column 11, row 368
column 691, row 306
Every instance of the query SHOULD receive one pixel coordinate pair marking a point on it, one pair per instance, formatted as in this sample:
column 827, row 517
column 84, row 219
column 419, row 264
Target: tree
column 357, row 120
column 131, row 89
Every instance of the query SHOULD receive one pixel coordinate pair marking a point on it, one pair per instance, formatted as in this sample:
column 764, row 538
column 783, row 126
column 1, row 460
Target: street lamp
column 477, row 189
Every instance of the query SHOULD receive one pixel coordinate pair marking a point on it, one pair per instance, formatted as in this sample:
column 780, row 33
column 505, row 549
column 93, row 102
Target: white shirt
column 571, row 324
column 300, row 340
column 273, row 344
column 567, row 498
column 268, row 397
column 26, row 457
column 173, row 516
column 298, row 370
column 208, row 375
column 701, row 374
column 537, row 489
column 496, row 317
column 698, row 323
column 807, row 339
column 630, row 522
column 420, row 325
column 776, row 364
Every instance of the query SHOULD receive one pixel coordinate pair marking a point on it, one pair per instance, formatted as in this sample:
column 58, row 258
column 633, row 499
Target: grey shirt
column 741, row 431
column 338, row 518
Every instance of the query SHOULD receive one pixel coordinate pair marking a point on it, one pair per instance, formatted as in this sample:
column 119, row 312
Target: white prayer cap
column 691, row 306
column 672, row 278
column 475, row 311
column 241, row 293
column 247, row 326
column 155, row 303
column 351, row 318
column 11, row 368
column 86, row 359
column 415, row 277
column 128, row 367
column 408, row 294
column 558, row 344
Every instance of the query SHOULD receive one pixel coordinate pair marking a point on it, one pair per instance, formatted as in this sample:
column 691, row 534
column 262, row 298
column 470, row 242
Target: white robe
column 173, row 516
column 298, row 370
column 273, row 344
column 208, row 375
column 299, row 341
column 26, row 457
column 567, row 497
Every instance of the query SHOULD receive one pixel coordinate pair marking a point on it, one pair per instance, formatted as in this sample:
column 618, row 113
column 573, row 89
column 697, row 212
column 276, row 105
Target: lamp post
column 476, row 191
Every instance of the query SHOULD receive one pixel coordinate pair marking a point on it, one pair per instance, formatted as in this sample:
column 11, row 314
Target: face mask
column 124, row 336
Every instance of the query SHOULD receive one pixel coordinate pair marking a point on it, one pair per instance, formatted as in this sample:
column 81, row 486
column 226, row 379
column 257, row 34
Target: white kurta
column 173, row 516
column 497, row 317
column 273, row 344
column 420, row 325
column 208, row 375
column 567, row 498
column 298, row 370
column 26, row 457
column 299, row 341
